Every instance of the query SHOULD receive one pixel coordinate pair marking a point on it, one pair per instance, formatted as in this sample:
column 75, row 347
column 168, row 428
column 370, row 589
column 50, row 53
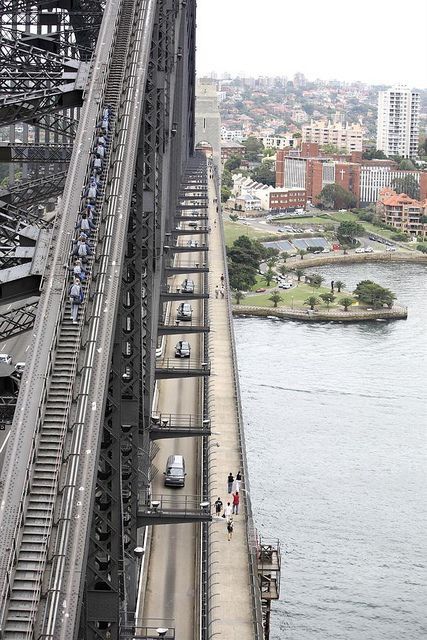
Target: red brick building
column 288, row 199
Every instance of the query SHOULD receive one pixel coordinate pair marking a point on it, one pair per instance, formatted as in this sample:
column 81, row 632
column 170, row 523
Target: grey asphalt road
column 171, row 587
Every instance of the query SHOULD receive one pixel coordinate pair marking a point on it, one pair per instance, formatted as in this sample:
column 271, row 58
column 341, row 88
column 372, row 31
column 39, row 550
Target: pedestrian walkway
column 231, row 603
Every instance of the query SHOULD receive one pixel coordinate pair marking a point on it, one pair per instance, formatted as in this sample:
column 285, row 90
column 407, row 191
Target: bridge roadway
column 173, row 579
column 171, row 592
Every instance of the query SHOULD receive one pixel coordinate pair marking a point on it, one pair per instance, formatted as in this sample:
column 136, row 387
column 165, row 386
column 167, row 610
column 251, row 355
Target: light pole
column 292, row 302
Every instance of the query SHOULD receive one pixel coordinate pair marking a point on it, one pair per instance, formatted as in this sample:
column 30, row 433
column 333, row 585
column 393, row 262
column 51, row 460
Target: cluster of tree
column 264, row 173
column 374, row 154
column 334, row 196
column 243, row 260
column 348, row 231
column 422, row 248
column 408, row 185
column 253, row 148
column 373, row 294
column 400, row 237
column 332, row 150
column 232, row 163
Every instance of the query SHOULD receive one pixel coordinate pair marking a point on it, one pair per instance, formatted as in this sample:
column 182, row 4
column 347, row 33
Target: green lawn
column 233, row 230
column 292, row 297
column 300, row 220
column 347, row 216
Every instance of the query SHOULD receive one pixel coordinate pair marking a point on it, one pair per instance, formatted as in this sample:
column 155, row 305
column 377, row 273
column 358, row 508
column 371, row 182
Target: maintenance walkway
column 235, row 613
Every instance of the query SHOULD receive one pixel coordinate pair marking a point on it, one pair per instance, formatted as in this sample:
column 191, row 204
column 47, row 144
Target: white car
column 369, row 250
column 19, row 367
column 390, row 249
column 5, row 358
column 326, row 250
column 360, row 250
column 285, row 285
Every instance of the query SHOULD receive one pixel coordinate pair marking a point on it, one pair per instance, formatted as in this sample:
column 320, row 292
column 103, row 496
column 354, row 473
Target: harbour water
column 335, row 419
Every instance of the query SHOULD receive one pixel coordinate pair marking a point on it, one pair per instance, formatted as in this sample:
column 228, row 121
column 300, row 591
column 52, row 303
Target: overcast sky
column 375, row 41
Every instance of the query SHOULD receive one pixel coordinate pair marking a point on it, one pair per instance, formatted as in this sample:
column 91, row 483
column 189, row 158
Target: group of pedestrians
column 220, row 291
column 82, row 245
column 232, row 507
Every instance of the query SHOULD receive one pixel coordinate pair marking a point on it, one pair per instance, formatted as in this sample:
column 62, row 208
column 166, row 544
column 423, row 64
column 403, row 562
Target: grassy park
column 294, row 297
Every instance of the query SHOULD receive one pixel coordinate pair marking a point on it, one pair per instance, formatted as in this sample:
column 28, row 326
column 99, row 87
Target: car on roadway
column 260, row 290
column 280, row 231
column 182, row 349
column 193, row 225
column 5, row 358
column 192, row 243
column 326, row 250
column 373, row 238
column 187, row 286
column 369, row 250
column 175, row 471
column 285, row 285
column 184, row 312
column 359, row 250
column 389, row 248
column 19, row 368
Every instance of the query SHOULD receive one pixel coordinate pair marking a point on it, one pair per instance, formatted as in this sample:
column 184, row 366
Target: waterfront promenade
column 231, row 602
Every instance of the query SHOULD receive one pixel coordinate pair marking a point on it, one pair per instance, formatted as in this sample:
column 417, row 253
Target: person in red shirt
column 236, row 502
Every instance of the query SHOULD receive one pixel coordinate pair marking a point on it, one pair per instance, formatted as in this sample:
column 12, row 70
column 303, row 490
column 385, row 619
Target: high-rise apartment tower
column 398, row 122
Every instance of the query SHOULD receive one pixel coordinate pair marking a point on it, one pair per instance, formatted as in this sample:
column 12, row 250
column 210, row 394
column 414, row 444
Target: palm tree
column 346, row 302
column 299, row 274
column 238, row 296
column 283, row 269
column 275, row 298
column 302, row 253
column 271, row 262
column 312, row 301
column 327, row 298
column 339, row 285
column 268, row 276
column 315, row 280
column 284, row 255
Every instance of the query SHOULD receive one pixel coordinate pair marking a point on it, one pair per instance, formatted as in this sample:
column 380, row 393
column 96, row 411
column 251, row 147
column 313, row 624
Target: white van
column 175, row 471
column 184, row 311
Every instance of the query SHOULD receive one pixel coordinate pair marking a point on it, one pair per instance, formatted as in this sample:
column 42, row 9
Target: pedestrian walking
column 218, row 506
column 237, row 482
column 236, row 502
column 222, row 279
column 228, row 511
column 75, row 299
column 230, row 527
column 222, row 293
column 216, row 291
column 79, row 270
column 230, row 481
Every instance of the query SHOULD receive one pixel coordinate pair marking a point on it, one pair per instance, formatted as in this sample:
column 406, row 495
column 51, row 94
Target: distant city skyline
column 379, row 42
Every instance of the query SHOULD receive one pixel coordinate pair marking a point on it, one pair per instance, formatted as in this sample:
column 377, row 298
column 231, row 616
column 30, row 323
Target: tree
column 346, row 302
column 327, row 298
column 315, row 280
column 373, row 294
column 334, row 196
column 407, row 165
column 302, row 253
column 283, row 270
column 299, row 274
column 272, row 261
column 275, row 298
column 264, row 174
column 226, row 179
column 339, row 285
column 268, row 276
column 374, row 155
column 348, row 231
column 225, row 194
column 240, row 276
column 284, row 255
column 331, row 149
column 408, row 185
column 232, row 163
column 312, row 301
column 345, row 248
column 253, row 148
column 238, row 296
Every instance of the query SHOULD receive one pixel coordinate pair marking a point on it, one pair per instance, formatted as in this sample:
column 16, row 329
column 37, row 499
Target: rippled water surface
column 336, row 437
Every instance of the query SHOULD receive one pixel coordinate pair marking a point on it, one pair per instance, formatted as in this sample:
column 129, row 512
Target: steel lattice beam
column 34, row 191
column 35, row 153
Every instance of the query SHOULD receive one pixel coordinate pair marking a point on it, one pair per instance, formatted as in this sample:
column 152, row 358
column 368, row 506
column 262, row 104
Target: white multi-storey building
column 398, row 122
column 348, row 136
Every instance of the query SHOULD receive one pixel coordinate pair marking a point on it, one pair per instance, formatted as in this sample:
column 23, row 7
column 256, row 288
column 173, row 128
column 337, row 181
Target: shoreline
column 330, row 258
column 334, row 315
